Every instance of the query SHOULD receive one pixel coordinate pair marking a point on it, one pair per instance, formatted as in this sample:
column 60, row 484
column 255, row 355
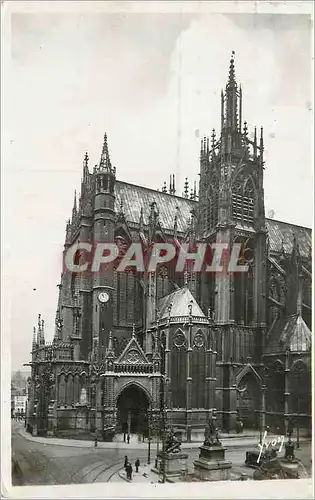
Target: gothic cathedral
column 235, row 343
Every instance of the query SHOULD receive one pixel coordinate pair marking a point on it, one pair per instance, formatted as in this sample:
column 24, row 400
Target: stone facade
column 237, row 343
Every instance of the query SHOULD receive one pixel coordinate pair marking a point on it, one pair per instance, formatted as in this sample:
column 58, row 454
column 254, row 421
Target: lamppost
column 128, row 425
column 149, row 435
column 262, row 411
column 162, row 405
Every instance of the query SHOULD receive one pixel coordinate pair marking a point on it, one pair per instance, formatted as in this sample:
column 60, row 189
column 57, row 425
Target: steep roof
column 279, row 232
column 134, row 197
column 180, row 300
column 292, row 333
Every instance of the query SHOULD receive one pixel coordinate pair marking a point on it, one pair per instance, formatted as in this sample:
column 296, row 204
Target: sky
column 152, row 82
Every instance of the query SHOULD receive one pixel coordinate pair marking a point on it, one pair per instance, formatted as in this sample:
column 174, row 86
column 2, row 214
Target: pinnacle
column 105, row 158
column 232, row 82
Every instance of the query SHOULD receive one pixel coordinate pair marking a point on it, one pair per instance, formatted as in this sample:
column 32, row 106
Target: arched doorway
column 248, row 395
column 132, row 410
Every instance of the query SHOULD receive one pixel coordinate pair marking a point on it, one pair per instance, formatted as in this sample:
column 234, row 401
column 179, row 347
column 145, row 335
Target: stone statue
column 211, row 433
column 172, row 443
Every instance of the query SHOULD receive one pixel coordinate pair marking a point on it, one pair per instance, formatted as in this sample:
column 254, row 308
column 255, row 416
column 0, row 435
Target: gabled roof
column 180, row 300
column 133, row 354
column 290, row 333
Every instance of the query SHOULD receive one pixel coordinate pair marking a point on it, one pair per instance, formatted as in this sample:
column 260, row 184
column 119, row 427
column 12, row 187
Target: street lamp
column 149, row 435
column 262, row 411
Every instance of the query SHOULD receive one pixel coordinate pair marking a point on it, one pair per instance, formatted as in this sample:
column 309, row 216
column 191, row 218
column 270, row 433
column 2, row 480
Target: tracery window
column 198, row 371
column 275, row 387
column 244, row 285
column 125, row 288
column 300, row 388
column 243, row 204
column 178, row 370
column 62, row 389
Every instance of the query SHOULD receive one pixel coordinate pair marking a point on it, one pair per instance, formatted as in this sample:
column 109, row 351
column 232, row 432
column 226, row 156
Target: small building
column 20, row 403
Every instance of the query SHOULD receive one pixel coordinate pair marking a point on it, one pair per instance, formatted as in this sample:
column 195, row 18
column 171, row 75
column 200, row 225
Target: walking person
column 137, row 464
column 124, row 437
column 129, row 471
column 126, row 462
column 128, row 439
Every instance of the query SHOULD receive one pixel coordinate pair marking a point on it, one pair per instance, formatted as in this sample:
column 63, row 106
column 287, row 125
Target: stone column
column 189, row 376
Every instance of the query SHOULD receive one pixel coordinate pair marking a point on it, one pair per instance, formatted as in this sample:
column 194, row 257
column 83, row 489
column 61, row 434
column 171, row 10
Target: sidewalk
column 250, row 439
column 145, row 475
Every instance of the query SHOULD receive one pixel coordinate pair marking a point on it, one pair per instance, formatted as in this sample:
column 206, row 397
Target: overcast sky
column 153, row 82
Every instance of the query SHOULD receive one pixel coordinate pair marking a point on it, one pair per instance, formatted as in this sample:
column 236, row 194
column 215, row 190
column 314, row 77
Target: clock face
column 103, row 297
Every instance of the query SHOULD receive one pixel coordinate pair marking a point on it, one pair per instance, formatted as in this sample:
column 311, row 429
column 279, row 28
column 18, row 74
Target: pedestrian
column 95, row 442
column 124, row 437
column 126, row 462
column 129, row 471
column 128, row 439
column 137, row 464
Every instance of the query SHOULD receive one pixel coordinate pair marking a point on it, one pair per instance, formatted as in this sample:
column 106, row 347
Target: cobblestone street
column 41, row 461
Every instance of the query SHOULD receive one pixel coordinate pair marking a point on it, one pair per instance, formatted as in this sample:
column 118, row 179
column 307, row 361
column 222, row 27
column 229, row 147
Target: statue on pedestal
column 172, row 443
column 211, row 433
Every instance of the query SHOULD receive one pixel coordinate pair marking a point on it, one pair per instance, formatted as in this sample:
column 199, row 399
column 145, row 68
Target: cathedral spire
column 231, row 82
column 230, row 119
column 34, row 338
column 74, row 209
column 39, row 330
column 85, row 166
column 42, row 332
column 105, row 162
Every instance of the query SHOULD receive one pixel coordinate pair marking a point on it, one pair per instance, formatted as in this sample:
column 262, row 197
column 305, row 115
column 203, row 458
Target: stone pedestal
column 175, row 463
column 211, row 464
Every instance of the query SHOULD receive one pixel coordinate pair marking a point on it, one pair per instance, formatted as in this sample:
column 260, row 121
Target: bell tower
column 232, row 213
column 103, row 278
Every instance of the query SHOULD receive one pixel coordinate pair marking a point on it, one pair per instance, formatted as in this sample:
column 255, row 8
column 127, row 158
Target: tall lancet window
column 178, row 370
column 243, row 201
column 125, row 287
column 198, row 371
column 211, row 212
column 244, row 284
column 248, row 203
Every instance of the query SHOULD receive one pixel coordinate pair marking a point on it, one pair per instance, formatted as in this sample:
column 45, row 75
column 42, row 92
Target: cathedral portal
column 132, row 410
